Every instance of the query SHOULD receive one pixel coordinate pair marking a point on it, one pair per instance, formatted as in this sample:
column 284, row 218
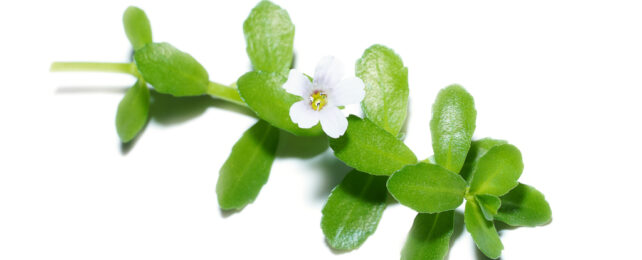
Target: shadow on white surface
column 458, row 230
column 90, row 90
column 333, row 172
column 229, row 213
column 167, row 110
column 303, row 147
column 331, row 168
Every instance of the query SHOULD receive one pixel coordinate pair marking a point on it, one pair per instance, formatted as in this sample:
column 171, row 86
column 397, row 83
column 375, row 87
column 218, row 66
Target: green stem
column 227, row 93
column 127, row 68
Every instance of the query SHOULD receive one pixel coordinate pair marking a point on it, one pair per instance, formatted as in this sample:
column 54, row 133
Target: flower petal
column 303, row 115
column 328, row 73
column 333, row 122
column 348, row 91
column 298, row 84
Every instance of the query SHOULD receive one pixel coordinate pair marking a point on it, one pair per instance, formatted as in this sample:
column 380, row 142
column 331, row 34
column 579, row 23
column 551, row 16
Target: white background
column 559, row 79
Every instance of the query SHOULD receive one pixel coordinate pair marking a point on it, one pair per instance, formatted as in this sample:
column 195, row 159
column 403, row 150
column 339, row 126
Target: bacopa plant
column 483, row 174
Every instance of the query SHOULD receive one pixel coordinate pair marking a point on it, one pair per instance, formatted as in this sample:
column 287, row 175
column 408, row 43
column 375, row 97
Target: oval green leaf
column 452, row 126
column 263, row 93
column 477, row 149
column 133, row 111
column 247, row 169
column 171, row 71
column 489, row 205
column 427, row 188
column 269, row 34
column 429, row 237
column 137, row 27
column 497, row 171
column 368, row 148
column 353, row 210
column 386, row 85
column 524, row 206
column 483, row 231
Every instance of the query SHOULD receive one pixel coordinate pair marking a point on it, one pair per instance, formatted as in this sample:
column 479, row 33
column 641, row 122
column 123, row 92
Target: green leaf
column 489, row 205
column 248, row 167
column 133, row 111
column 452, row 126
column 497, row 171
column 353, row 210
column 483, row 231
column 429, row 236
column 171, row 71
column 477, row 149
column 263, row 93
column 137, row 27
column 427, row 188
column 269, row 34
column 386, row 85
column 524, row 206
column 370, row 149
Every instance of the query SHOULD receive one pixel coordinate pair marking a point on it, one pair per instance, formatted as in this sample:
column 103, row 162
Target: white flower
column 323, row 96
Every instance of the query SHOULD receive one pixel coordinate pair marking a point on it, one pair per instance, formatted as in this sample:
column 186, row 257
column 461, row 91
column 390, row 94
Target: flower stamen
column 318, row 100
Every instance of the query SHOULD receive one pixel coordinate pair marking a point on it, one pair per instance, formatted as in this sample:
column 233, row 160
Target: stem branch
column 227, row 93
column 127, row 68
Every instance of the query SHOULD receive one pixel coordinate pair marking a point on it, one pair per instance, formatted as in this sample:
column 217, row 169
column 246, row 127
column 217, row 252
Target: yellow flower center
column 318, row 100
